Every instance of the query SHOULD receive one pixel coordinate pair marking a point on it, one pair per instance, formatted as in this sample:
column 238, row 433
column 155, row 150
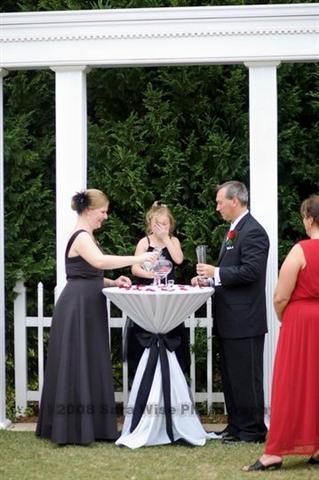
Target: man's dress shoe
column 232, row 440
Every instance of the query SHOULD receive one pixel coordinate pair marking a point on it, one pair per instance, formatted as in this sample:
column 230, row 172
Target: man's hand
column 205, row 270
column 200, row 281
column 194, row 282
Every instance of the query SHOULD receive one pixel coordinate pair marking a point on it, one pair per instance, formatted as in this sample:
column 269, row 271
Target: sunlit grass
column 24, row 456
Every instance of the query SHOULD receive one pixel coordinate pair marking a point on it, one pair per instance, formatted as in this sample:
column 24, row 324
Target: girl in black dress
column 160, row 226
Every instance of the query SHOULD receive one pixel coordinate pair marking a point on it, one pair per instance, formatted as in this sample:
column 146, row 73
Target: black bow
column 157, row 343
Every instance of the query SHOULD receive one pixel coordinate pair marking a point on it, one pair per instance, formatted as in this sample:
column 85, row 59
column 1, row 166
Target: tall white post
column 3, row 421
column 71, row 153
column 263, row 186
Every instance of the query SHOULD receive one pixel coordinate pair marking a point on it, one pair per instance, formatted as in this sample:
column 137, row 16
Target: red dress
column 294, row 421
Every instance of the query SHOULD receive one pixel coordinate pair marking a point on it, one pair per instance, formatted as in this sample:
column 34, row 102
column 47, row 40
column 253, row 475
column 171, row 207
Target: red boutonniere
column 230, row 239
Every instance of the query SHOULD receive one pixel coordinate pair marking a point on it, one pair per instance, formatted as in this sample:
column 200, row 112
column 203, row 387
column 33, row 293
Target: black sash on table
column 157, row 343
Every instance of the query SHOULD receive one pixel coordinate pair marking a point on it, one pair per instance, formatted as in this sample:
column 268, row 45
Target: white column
column 3, row 421
column 263, row 186
column 71, row 153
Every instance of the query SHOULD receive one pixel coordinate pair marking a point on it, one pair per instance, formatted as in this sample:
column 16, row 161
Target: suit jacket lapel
column 222, row 249
column 237, row 228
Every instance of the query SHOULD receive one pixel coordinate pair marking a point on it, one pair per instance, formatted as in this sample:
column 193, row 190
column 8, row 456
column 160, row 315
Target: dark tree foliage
column 167, row 134
column 170, row 133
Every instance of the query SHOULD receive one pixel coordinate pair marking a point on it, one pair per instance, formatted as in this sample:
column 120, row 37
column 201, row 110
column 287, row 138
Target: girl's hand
column 160, row 231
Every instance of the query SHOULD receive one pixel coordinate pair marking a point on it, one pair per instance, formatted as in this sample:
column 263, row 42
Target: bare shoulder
column 142, row 243
column 296, row 251
column 175, row 240
column 84, row 242
column 81, row 243
column 84, row 237
column 296, row 256
column 142, row 246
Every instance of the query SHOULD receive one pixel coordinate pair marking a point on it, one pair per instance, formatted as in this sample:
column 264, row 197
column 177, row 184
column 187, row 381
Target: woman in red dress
column 294, row 422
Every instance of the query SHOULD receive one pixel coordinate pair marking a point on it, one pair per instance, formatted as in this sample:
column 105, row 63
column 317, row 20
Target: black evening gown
column 78, row 405
column 132, row 348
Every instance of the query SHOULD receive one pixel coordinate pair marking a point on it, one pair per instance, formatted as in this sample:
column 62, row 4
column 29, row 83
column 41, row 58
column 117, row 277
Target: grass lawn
column 24, row 457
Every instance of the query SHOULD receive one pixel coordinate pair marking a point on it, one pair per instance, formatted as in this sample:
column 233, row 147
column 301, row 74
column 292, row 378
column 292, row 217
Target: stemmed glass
column 161, row 268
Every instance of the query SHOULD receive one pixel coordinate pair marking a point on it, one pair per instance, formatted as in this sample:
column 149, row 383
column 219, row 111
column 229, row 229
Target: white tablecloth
column 159, row 311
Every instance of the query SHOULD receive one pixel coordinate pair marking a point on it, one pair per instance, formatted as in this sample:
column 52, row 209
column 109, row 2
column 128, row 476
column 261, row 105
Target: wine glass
column 158, row 250
column 161, row 268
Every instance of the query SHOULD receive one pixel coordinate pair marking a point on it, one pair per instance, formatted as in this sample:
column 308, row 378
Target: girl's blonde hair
column 159, row 208
column 91, row 198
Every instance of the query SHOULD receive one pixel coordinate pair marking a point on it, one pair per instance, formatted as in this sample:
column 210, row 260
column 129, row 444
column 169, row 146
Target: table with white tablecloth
column 160, row 409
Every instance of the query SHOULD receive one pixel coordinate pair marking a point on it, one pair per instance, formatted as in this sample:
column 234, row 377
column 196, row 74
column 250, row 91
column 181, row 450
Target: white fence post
column 119, row 322
column 20, row 348
column 40, row 337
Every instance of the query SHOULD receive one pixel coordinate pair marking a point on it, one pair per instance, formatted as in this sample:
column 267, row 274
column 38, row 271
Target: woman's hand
column 149, row 257
column 123, row 281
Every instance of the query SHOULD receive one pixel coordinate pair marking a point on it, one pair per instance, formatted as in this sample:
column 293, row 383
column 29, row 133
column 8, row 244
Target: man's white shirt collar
column 235, row 222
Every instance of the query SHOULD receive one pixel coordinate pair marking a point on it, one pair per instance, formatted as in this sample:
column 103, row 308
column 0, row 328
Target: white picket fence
column 22, row 322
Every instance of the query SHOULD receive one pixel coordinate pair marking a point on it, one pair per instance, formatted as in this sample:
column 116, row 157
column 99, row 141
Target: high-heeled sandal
column 259, row 467
column 313, row 461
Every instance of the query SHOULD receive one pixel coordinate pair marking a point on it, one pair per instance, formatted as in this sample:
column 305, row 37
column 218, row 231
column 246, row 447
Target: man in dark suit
column 240, row 313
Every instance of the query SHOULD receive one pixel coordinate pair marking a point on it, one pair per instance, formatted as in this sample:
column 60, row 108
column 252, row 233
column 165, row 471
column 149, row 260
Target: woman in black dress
column 77, row 404
column 160, row 226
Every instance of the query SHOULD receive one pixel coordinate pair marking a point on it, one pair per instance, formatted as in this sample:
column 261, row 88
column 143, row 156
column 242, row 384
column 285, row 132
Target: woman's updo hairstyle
column 310, row 208
column 90, row 198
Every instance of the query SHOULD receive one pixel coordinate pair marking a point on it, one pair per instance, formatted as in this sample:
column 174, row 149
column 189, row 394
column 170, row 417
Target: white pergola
column 73, row 42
